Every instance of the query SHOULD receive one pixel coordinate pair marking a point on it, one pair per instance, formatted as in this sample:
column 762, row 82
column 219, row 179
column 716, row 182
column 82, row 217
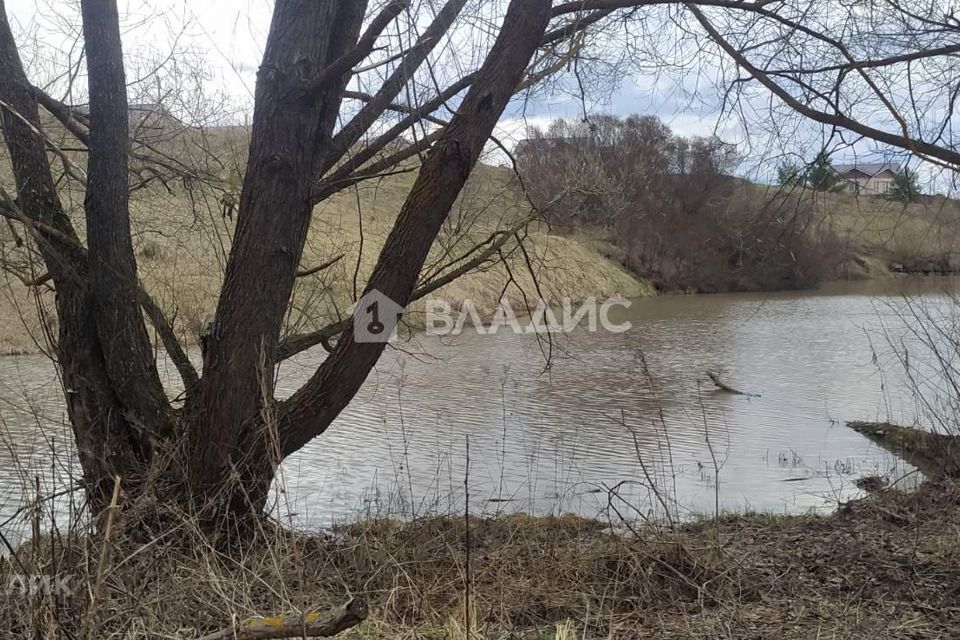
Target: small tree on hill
column 906, row 187
column 821, row 175
column 789, row 174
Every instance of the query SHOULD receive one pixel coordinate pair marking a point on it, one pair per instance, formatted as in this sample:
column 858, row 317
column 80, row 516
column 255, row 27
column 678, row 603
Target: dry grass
column 182, row 243
column 919, row 236
column 21, row 327
column 884, row 567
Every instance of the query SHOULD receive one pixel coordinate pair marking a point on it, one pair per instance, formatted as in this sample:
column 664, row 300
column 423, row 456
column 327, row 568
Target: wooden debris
column 715, row 378
column 309, row 625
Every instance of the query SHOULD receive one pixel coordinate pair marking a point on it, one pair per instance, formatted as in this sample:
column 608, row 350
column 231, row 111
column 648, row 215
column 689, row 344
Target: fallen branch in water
column 715, row 378
column 309, row 625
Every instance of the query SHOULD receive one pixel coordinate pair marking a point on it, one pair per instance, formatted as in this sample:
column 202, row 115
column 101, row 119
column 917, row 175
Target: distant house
column 868, row 178
column 151, row 115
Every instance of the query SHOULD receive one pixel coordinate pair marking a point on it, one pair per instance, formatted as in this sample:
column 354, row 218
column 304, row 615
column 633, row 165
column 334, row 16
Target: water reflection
column 622, row 411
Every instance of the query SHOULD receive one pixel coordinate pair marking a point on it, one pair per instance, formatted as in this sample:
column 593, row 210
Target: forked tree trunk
column 217, row 455
column 236, row 415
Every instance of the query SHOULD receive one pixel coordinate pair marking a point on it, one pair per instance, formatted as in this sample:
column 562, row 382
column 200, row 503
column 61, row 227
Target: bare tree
column 311, row 138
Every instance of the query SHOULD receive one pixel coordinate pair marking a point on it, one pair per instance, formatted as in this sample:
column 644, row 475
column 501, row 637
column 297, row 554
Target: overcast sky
column 228, row 36
column 232, row 33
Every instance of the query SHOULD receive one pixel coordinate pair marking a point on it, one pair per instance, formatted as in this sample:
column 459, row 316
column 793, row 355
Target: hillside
column 182, row 241
column 919, row 237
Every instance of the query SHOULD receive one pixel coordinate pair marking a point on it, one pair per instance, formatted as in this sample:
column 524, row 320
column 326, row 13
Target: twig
column 466, row 540
column 306, row 273
column 652, row 484
column 104, row 558
column 69, row 166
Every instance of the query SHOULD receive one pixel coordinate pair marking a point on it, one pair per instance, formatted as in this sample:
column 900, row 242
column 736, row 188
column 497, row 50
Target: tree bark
column 113, row 269
column 290, row 126
column 105, row 442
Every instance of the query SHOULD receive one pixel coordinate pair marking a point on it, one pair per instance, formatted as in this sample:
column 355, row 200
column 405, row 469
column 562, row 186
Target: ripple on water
column 550, row 440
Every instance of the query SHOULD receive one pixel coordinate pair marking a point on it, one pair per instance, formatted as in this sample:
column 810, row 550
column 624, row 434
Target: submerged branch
column 715, row 379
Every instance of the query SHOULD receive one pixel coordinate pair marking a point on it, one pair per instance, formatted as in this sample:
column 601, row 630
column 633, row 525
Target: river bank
column 182, row 242
column 881, row 567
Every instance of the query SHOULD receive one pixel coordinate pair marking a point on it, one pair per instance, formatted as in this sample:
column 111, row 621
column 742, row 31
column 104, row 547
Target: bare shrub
column 926, row 345
column 150, row 250
column 669, row 204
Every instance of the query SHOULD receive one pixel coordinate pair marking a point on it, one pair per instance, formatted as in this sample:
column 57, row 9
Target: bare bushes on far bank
column 670, row 206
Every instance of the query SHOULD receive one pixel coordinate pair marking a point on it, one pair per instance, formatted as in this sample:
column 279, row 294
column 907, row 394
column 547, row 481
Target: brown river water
column 617, row 424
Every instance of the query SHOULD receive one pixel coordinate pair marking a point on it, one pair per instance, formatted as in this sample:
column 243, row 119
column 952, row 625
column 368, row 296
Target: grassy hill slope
column 183, row 241
column 922, row 236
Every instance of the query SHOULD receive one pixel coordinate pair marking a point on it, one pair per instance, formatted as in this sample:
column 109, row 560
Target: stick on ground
column 309, row 625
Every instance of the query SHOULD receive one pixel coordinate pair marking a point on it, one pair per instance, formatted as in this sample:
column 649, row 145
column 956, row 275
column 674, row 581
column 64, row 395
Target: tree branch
column 391, row 88
column 471, row 261
column 341, row 178
column 74, row 171
column 42, row 233
column 442, row 177
column 902, row 141
column 577, row 6
column 66, row 115
column 178, row 356
column 356, row 55
column 306, row 273
column 877, row 62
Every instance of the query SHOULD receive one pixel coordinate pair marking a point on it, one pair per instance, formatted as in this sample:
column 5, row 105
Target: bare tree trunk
column 105, row 441
column 113, row 268
column 292, row 122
